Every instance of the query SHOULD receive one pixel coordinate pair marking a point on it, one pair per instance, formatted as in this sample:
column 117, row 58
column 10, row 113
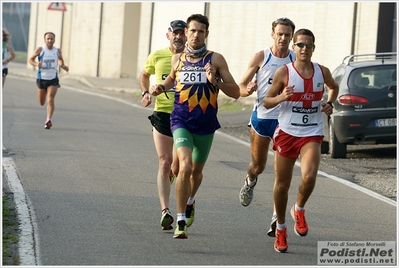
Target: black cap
column 177, row 25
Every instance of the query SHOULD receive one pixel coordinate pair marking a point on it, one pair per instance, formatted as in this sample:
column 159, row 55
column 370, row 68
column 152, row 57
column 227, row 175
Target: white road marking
column 28, row 243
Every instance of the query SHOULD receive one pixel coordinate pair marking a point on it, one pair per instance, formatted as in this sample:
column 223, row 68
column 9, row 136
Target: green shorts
column 200, row 145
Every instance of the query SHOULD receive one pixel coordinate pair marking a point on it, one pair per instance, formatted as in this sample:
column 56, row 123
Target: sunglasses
column 302, row 45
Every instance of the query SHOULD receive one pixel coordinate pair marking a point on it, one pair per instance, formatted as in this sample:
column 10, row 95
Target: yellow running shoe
column 181, row 230
column 190, row 210
column 166, row 219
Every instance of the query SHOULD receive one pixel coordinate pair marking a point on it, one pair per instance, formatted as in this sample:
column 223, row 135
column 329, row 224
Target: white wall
column 237, row 30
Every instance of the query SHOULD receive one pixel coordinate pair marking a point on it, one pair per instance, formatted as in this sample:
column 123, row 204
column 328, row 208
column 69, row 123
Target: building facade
column 113, row 39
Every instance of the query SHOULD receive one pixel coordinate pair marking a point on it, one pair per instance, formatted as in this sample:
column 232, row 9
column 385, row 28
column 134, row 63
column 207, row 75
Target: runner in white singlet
column 264, row 121
column 264, row 78
column 300, row 115
column 47, row 76
column 298, row 88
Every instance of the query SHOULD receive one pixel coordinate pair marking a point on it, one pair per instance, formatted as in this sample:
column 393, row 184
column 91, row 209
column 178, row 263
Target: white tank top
column 300, row 116
column 264, row 78
column 49, row 69
column 5, row 55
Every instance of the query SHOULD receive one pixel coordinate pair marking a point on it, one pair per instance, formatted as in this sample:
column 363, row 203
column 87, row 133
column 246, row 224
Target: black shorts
column 5, row 72
column 44, row 84
column 161, row 122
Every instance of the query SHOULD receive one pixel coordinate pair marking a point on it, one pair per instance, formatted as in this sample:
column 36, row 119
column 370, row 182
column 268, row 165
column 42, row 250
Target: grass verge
column 10, row 231
column 229, row 105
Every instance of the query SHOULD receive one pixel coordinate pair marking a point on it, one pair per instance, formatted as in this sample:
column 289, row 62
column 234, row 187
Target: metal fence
column 15, row 19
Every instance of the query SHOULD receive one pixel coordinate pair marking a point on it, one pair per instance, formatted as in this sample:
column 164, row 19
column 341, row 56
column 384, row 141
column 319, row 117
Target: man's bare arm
column 278, row 92
column 247, row 86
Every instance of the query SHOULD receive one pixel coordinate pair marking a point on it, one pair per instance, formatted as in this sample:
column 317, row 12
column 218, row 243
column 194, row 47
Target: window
column 377, row 77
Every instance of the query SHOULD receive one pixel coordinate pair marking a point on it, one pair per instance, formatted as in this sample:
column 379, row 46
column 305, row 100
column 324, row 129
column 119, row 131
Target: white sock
column 181, row 217
column 281, row 226
column 165, row 210
column 191, row 200
column 250, row 183
column 298, row 208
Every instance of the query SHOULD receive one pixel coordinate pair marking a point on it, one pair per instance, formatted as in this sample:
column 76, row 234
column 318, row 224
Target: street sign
column 60, row 6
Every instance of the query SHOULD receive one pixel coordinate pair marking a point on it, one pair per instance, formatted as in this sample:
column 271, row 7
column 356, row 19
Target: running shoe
column 48, row 124
column 172, row 177
column 181, row 230
column 273, row 224
column 281, row 244
column 301, row 226
column 247, row 192
column 166, row 220
column 190, row 210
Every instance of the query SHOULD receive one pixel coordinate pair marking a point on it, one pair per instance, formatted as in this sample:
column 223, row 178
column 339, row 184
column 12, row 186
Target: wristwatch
column 144, row 92
column 217, row 81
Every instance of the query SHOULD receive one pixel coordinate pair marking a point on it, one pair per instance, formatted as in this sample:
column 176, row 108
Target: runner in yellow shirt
column 159, row 63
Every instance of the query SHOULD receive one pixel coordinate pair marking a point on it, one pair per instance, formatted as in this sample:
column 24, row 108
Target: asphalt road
column 91, row 184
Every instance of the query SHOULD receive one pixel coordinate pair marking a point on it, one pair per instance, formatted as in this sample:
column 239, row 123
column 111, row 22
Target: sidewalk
column 129, row 85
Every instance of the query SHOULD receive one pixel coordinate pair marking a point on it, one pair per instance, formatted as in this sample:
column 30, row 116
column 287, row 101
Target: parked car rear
column 365, row 110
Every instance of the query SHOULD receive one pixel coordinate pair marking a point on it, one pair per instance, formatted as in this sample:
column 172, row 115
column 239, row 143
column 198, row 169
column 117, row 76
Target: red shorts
column 290, row 146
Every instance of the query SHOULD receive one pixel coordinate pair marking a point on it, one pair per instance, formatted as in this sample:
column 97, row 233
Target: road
column 90, row 180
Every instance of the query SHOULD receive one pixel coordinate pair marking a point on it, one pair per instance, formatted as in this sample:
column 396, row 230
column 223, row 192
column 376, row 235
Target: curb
column 80, row 79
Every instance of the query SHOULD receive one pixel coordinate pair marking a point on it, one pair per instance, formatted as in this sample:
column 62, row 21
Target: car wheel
column 324, row 147
column 337, row 149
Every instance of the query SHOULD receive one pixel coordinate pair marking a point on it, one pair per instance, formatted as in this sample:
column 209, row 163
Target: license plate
column 388, row 122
